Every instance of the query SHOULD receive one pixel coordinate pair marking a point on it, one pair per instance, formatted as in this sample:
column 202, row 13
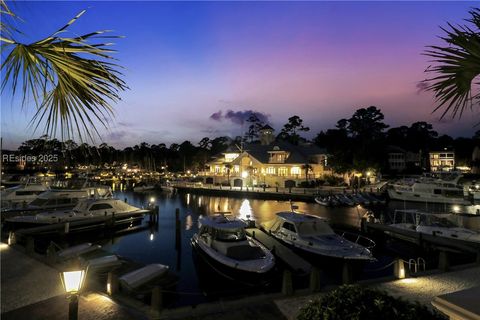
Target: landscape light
column 72, row 282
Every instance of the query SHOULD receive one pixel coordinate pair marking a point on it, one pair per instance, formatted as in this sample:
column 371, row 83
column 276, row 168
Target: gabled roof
column 266, row 127
column 297, row 154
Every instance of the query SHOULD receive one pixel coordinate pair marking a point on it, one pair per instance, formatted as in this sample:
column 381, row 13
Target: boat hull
column 418, row 197
column 242, row 276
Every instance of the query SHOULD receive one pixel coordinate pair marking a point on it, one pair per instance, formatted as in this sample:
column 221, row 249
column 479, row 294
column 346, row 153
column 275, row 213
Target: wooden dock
column 290, row 258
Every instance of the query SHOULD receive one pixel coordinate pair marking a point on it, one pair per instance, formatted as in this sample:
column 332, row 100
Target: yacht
column 313, row 235
column 84, row 210
column 435, row 224
column 143, row 187
column 21, row 195
column 223, row 243
column 429, row 189
column 57, row 199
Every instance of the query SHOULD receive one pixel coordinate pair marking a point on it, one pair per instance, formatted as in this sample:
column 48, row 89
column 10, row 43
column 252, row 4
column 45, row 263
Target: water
column 198, row 283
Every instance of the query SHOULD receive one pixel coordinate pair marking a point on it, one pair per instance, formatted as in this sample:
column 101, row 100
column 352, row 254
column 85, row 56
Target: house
column 270, row 162
column 400, row 159
column 442, row 160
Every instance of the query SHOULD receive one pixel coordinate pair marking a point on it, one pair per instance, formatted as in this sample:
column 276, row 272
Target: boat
column 143, row 187
column 84, row 210
column 327, row 201
column 76, row 251
column 444, row 189
column 345, row 200
column 139, row 277
column 313, row 236
column 21, row 195
column 435, row 224
column 102, row 263
column 58, row 199
column 222, row 241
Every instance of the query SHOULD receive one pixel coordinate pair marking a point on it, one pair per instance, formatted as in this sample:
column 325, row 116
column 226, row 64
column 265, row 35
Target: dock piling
column 112, row 283
column 315, row 280
column 399, row 271
column 30, row 245
column 156, row 302
column 287, row 283
column 347, row 273
column 443, row 261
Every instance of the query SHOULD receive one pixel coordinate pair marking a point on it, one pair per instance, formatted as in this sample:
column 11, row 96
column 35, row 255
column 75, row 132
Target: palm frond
column 456, row 67
column 72, row 81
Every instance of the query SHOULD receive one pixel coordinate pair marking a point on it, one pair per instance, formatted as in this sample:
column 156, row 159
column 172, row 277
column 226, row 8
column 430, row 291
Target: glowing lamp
column 72, row 281
column 244, row 174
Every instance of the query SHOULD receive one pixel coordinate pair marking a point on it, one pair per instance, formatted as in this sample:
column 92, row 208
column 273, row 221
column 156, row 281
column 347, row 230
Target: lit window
column 271, row 170
column 282, row 171
column 295, row 170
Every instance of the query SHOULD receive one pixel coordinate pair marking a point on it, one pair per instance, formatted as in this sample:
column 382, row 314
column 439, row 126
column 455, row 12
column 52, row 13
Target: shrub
column 358, row 303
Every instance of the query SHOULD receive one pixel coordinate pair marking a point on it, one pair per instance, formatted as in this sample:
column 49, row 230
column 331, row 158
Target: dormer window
column 277, row 156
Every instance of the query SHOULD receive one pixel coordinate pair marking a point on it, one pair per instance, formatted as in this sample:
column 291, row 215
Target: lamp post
column 72, row 282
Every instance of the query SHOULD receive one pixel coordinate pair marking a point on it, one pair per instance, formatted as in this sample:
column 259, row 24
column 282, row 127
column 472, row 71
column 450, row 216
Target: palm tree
column 307, row 167
column 457, row 67
column 70, row 79
column 228, row 167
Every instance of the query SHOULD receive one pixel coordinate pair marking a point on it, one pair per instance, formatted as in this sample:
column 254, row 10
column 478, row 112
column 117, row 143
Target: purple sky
column 188, row 61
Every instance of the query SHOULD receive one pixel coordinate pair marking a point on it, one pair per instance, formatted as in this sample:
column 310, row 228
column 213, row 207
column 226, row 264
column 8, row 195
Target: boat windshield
column 314, row 228
column 230, row 234
column 39, row 202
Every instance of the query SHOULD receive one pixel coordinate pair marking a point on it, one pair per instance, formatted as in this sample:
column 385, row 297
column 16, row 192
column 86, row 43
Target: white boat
column 312, row 234
column 429, row 189
column 435, row 224
column 139, row 277
column 222, row 241
column 143, row 187
column 85, row 209
column 55, row 199
column 21, row 195
column 76, row 251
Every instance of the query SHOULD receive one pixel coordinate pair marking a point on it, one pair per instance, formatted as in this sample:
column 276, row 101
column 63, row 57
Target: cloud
column 117, row 135
column 422, row 86
column 239, row 117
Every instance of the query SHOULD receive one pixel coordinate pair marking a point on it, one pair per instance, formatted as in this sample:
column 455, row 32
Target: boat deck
column 290, row 258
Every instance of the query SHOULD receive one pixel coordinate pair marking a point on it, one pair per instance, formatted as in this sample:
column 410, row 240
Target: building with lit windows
column 270, row 162
column 442, row 160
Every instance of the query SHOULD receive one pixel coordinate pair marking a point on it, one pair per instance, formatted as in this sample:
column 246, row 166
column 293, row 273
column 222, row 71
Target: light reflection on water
column 160, row 245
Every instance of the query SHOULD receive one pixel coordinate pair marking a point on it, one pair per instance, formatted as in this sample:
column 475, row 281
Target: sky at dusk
column 189, row 63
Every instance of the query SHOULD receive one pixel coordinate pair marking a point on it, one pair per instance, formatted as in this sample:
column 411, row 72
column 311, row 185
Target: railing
column 359, row 239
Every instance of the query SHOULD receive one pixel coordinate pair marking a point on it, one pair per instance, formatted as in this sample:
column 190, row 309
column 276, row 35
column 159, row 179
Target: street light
column 72, row 282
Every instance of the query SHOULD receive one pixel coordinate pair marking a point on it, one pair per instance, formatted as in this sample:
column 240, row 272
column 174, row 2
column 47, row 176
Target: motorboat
column 143, row 187
column 224, row 244
column 84, row 210
column 313, row 235
column 21, row 195
column 328, row 201
column 435, row 224
column 58, row 199
column 444, row 189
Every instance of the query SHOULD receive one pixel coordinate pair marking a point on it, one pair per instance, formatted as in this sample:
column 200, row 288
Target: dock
column 288, row 257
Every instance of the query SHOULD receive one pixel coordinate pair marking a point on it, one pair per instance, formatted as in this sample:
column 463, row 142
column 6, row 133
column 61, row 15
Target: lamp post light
column 72, row 282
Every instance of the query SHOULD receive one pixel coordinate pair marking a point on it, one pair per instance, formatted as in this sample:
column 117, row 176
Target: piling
column 125, row 200
column 112, row 283
column 443, row 261
column 11, row 238
column 287, row 283
column 399, row 269
column 315, row 280
column 156, row 301
column 347, row 273
column 51, row 253
column 66, row 229
column 30, row 245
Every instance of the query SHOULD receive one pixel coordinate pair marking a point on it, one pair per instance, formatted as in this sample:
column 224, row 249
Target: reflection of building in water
column 245, row 211
column 188, row 222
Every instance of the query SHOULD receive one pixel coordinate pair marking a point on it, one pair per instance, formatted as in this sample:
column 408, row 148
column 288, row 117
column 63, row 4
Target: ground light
column 72, row 282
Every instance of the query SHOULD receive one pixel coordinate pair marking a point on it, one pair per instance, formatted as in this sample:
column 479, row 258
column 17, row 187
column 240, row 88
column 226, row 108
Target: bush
column 358, row 303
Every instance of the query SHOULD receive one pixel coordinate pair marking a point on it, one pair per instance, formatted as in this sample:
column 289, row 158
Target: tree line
column 358, row 143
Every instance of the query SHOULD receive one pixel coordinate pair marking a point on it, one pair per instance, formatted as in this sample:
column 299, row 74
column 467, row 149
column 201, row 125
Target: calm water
column 197, row 283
